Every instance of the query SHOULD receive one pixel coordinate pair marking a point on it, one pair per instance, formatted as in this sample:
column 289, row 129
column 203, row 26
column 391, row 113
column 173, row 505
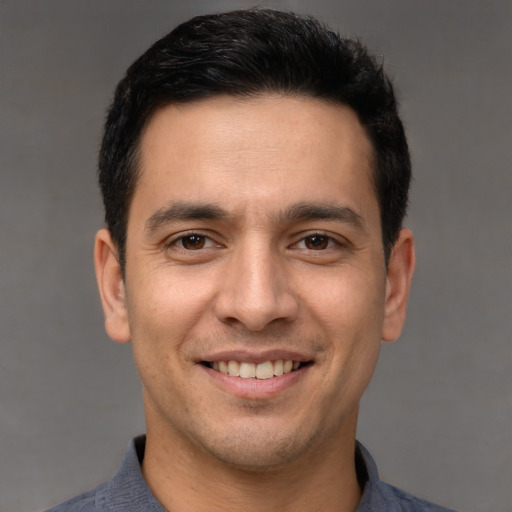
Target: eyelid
column 174, row 239
column 337, row 240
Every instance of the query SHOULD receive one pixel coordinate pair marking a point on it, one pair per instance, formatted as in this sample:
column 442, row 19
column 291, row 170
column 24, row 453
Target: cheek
column 345, row 301
column 349, row 309
column 164, row 313
column 169, row 298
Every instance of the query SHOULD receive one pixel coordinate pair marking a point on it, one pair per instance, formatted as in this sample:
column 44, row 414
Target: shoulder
column 409, row 503
column 380, row 496
column 85, row 502
column 126, row 491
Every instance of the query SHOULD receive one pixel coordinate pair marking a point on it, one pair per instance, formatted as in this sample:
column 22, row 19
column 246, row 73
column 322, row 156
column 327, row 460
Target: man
column 255, row 176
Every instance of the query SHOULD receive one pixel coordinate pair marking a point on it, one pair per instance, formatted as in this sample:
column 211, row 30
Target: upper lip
column 251, row 356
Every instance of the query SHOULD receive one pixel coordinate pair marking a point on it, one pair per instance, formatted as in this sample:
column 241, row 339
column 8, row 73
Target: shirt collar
column 127, row 491
column 376, row 494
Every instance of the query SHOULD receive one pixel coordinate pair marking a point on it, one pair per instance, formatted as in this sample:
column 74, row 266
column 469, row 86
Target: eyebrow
column 321, row 211
column 182, row 211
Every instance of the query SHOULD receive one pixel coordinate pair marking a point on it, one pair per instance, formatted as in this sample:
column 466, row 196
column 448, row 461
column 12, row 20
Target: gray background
column 438, row 414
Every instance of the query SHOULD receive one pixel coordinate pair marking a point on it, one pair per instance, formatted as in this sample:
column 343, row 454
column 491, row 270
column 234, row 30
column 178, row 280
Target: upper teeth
column 265, row 370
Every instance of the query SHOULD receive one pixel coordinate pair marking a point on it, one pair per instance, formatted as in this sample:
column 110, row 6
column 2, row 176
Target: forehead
column 275, row 149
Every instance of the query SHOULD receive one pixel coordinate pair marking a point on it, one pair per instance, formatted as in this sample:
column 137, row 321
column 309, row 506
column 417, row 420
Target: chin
column 257, row 450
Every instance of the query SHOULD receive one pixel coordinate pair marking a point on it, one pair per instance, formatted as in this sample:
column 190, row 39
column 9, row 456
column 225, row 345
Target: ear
column 111, row 287
column 399, row 275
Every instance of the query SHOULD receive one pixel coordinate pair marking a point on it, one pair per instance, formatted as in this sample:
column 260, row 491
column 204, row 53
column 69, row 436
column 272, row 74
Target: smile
column 247, row 370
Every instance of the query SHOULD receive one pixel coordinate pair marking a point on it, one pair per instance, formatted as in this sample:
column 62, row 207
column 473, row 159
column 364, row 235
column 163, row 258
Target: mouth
column 248, row 370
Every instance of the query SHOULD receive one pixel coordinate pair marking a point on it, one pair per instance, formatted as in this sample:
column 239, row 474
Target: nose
column 255, row 290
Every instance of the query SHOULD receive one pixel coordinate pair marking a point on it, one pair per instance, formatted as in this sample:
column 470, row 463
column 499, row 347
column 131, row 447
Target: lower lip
column 256, row 388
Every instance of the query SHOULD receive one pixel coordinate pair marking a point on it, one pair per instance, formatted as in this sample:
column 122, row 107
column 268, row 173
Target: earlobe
column 399, row 275
column 111, row 287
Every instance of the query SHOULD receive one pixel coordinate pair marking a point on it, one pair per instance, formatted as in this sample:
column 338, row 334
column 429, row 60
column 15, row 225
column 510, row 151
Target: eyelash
column 176, row 240
column 330, row 240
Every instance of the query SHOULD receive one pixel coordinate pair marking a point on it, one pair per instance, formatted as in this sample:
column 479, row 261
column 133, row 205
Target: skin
column 259, row 277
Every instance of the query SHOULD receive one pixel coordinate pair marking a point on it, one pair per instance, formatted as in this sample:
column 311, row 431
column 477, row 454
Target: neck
column 184, row 479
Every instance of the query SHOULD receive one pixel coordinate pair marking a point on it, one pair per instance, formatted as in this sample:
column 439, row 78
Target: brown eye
column 193, row 242
column 316, row 242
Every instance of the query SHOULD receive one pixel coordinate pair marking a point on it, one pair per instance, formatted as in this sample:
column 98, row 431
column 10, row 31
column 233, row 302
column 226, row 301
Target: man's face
column 254, row 244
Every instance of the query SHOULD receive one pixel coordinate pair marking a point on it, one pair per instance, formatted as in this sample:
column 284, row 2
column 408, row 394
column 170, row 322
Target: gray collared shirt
column 127, row 490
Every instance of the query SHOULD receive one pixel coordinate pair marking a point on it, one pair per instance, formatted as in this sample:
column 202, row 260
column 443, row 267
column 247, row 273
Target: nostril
column 255, row 298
